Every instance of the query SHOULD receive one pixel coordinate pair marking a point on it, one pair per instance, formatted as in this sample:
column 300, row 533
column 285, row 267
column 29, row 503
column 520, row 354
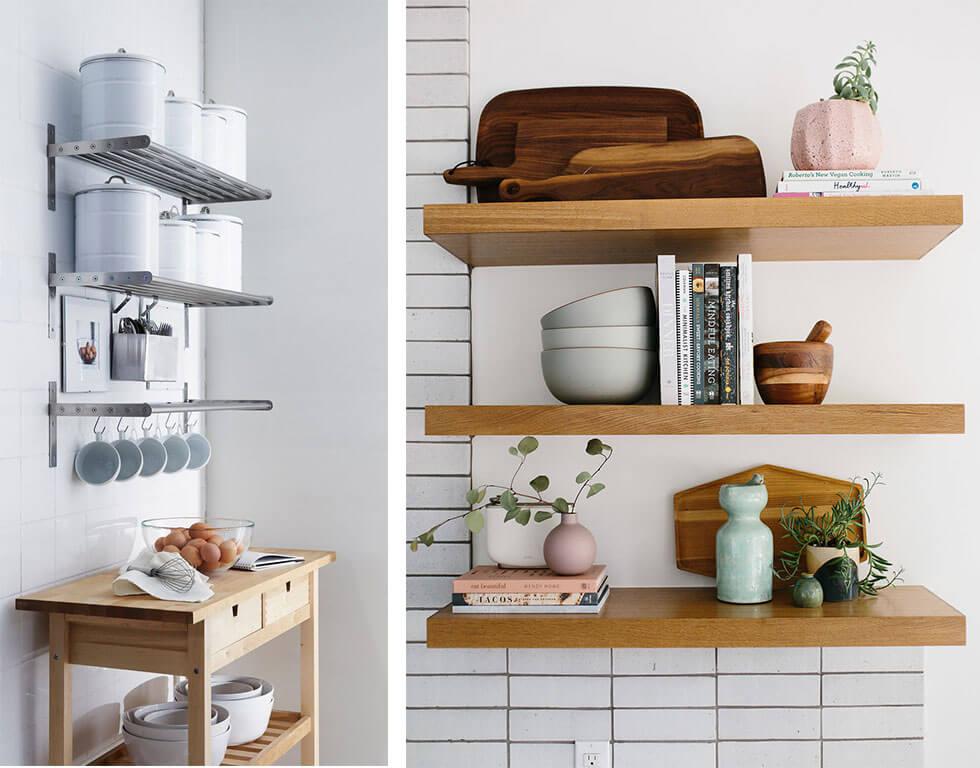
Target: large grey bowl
column 598, row 375
column 623, row 306
column 618, row 336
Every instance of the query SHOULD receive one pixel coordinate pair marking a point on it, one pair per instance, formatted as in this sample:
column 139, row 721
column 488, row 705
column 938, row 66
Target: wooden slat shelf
column 635, row 231
column 691, row 617
column 826, row 419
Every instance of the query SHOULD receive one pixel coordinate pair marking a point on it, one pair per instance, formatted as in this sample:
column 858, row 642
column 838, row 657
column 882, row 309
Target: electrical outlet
column 592, row 754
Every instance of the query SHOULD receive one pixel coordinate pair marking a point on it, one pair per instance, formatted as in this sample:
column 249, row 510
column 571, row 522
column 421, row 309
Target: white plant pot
column 817, row 556
column 117, row 228
column 122, row 95
column 512, row 545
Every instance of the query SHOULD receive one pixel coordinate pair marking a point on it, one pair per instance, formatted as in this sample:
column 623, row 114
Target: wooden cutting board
column 698, row 515
column 496, row 136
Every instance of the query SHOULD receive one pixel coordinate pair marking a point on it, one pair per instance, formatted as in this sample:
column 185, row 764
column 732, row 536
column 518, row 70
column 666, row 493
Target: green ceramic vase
column 807, row 592
column 839, row 579
column 743, row 545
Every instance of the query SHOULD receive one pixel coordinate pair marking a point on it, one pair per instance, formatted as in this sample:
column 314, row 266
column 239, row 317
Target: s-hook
column 122, row 303
column 119, row 427
column 95, row 427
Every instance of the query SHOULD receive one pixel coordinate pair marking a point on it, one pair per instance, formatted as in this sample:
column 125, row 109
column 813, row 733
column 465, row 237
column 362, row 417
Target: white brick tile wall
column 437, row 24
column 428, row 591
column 436, row 91
column 872, row 722
column 429, row 458
column 423, row 519
column 436, row 57
column 560, row 724
column 871, row 689
column 435, row 157
column 415, row 629
column 764, row 723
column 663, row 661
column 413, row 225
column 438, row 357
column 437, row 390
column 559, row 692
column 438, row 324
column 763, row 660
column 768, row 690
column 860, row 754
column 640, row 755
column 456, row 754
column 431, row 259
column 456, row 691
column 438, row 559
column 872, row 659
column 437, row 492
column 559, row 661
column 541, row 755
column 415, row 427
column 664, row 691
column 437, row 124
column 455, row 661
column 665, row 724
column 423, row 190
column 460, row 724
column 771, row 754
column 448, row 291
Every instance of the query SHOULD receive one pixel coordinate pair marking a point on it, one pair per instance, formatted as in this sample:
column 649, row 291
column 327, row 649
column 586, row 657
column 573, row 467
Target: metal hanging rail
column 162, row 288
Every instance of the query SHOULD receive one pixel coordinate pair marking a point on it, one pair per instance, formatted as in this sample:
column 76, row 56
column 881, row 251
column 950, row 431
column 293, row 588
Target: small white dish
column 598, row 375
column 249, row 716
column 623, row 306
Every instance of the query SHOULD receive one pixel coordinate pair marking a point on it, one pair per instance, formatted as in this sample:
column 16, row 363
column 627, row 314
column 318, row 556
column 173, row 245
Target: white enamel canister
column 230, row 229
column 235, row 137
column 116, row 227
column 183, row 129
column 214, row 130
column 207, row 257
column 122, row 95
column 178, row 248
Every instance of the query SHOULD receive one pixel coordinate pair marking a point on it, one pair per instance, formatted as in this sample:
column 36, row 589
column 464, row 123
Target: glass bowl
column 190, row 536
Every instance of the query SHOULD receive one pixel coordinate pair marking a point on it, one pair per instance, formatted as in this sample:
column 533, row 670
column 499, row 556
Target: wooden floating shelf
column 691, row 617
column 827, row 419
column 635, row 231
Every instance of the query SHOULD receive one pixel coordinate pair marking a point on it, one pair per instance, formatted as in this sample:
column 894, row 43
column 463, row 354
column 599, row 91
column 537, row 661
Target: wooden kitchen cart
column 90, row 625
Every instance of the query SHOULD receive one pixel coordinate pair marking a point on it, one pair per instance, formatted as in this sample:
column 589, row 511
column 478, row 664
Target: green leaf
column 482, row 495
column 581, row 477
column 427, row 538
column 527, row 445
column 511, row 514
column 594, row 447
column 541, row 515
column 512, row 451
column 473, row 496
column 540, row 483
column 606, row 447
column 524, row 516
column 560, row 505
column 414, row 545
column 594, row 489
column 474, row 521
column 507, row 500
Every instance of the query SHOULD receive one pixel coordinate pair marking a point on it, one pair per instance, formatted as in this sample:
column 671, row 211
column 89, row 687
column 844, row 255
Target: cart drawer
column 287, row 597
column 234, row 623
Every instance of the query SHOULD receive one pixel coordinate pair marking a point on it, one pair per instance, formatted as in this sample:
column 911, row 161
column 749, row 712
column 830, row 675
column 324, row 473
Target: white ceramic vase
column 512, row 545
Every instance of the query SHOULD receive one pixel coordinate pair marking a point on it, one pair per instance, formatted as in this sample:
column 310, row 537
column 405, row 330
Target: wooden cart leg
column 310, row 675
column 198, row 695
column 59, row 702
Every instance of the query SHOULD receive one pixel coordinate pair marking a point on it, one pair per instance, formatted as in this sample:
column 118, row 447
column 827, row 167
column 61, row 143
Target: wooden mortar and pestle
column 795, row 372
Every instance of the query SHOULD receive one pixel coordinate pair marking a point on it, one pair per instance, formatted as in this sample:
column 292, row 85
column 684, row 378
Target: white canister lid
column 211, row 217
column 183, row 100
column 120, row 54
column 177, row 223
column 224, row 108
column 106, row 186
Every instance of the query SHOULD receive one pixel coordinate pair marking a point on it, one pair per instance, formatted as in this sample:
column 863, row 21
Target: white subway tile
column 871, row 689
column 437, row 91
column 761, row 724
column 664, row 724
column 434, row 157
column 69, row 542
column 428, row 591
column 10, row 568
column 873, row 722
column 10, row 418
column 559, row 661
column 456, row 691
column 439, row 559
column 437, row 124
column 438, row 357
column 447, row 291
column 438, row 458
column 438, row 324
column 10, row 342
column 559, row 691
column 455, row 661
column 437, row 492
column 437, row 390
column 415, row 625
column 10, row 279
column 686, row 754
column 437, row 3
column 10, row 492
column 768, row 660
column 456, row 724
column 663, row 661
column 650, row 692
column 422, row 754
column 423, row 519
column 34, row 422
column 437, row 24
column 560, row 725
column 428, row 190
column 768, row 690
column 768, row 754
column 436, row 57
column 38, row 568
column 415, row 430
column 541, row 755
column 899, row 659
column 861, row 754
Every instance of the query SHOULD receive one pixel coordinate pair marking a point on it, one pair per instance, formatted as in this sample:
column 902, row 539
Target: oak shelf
column 826, row 419
column 635, row 231
column 691, row 617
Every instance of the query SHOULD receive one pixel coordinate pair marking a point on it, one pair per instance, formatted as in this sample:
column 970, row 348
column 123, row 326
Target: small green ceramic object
column 839, row 579
column 807, row 592
column 743, row 545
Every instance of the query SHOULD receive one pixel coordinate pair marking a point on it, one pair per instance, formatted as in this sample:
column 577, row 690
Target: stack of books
column 849, row 183
column 705, row 321
column 489, row 589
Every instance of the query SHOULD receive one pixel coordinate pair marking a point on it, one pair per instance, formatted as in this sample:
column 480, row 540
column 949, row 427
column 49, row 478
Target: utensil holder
column 144, row 357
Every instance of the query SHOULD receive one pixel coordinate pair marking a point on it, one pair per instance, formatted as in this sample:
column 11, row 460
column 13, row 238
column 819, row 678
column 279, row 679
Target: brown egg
column 229, row 551
column 216, row 540
column 196, row 543
column 241, row 547
column 192, row 555
column 176, row 538
column 159, row 544
column 200, row 530
column 170, row 548
column 210, row 553
column 208, row 567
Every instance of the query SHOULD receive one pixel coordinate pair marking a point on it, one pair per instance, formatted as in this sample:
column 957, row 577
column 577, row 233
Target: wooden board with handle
column 698, row 515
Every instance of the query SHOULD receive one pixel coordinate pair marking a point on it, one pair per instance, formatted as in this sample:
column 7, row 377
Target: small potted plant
column 829, row 546
column 569, row 547
column 841, row 132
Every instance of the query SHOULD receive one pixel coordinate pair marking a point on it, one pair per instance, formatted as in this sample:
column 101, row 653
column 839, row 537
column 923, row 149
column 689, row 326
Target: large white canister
column 207, row 257
column 116, row 228
column 178, row 248
column 122, row 95
column 230, row 229
column 235, row 137
column 183, row 131
column 214, row 129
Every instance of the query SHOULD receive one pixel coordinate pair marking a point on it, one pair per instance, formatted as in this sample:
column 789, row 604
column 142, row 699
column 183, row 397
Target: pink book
column 798, row 194
column 490, row 578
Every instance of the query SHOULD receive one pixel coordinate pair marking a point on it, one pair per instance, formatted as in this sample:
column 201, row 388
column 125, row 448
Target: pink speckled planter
column 570, row 547
column 835, row 135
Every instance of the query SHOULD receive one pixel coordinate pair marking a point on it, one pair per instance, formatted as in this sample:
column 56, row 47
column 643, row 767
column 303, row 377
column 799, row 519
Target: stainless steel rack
column 141, row 159
column 161, row 288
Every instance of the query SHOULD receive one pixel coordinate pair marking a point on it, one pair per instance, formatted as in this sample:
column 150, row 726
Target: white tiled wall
column 54, row 527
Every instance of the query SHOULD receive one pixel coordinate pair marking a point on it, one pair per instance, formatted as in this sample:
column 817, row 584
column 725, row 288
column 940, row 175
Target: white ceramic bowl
column 623, row 306
column 168, row 721
column 598, row 375
column 249, row 716
column 226, row 688
column 620, row 336
column 147, row 751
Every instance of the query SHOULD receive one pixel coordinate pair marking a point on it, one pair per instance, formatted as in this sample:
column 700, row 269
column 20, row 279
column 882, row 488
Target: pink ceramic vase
column 570, row 547
column 835, row 135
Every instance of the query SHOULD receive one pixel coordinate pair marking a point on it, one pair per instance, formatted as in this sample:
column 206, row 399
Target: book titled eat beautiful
column 490, row 578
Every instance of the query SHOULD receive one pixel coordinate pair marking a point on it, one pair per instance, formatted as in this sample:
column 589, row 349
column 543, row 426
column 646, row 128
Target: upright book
column 728, row 378
column 697, row 333
column 667, row 321
column 682, row 283
column 712, row 334
column 746, row 366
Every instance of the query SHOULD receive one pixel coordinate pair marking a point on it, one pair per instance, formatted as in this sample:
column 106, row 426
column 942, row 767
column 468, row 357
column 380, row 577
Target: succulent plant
column 853, row 78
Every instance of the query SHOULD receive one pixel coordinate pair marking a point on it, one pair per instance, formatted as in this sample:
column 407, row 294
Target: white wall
column 311, row 473
column 54, row 527
column 901, row 330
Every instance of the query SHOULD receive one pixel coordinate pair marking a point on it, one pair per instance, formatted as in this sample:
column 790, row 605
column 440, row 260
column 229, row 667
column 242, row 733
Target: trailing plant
column 853, row 78
column 841, row 529
column 516, row 503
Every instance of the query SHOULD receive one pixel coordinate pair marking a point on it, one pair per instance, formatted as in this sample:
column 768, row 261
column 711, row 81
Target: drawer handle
column 234, row 611
column 289, row 585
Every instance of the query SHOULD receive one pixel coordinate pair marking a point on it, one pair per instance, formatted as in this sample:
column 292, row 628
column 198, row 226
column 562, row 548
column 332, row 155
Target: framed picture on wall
column 85, row 329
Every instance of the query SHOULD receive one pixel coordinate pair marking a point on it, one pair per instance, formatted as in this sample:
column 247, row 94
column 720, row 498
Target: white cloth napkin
column 133, row 579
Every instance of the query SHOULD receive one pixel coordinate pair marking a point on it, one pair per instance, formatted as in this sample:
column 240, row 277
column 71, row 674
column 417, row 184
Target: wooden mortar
column 795, row 372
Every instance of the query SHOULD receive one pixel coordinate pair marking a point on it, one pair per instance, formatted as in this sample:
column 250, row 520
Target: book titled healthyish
column 490, row 578
column 854, row 186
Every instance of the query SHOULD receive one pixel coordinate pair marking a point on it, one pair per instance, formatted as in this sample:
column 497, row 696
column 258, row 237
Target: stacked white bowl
column 248, row 700
column 157, row 734
column 601, row 349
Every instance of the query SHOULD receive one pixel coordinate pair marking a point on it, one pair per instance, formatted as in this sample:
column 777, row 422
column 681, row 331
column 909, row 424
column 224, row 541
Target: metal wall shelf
column 153, row 286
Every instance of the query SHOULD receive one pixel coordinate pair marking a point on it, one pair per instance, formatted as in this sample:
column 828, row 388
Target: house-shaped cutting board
column 698, row 515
